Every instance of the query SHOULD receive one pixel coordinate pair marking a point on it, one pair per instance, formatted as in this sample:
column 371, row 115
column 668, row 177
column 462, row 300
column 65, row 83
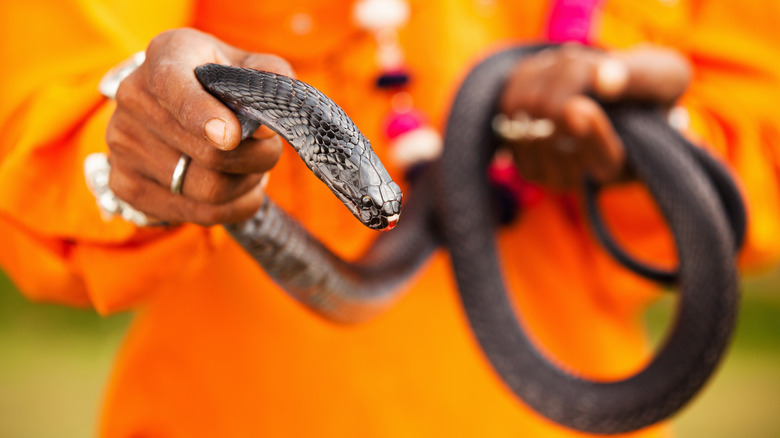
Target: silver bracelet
column 111, row 80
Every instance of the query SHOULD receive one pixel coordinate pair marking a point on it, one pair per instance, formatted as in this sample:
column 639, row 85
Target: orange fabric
column 216, row 349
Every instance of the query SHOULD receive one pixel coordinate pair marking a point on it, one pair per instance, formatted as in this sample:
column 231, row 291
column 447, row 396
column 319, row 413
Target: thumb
column 266, row 62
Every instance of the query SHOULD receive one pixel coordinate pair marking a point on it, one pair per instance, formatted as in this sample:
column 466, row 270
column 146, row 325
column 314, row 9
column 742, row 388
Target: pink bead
column 397, row 124
column 571, row 20
column 503, row 172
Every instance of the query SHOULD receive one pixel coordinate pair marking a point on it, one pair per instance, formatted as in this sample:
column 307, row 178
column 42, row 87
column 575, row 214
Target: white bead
column 109, row 203
column 96, row 162
column 418, row 145
column 378, row 14
column 96, row 170
column 130, row 214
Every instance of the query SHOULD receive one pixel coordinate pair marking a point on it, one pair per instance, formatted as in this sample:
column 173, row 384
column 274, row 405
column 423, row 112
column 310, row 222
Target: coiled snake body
column 457, row 216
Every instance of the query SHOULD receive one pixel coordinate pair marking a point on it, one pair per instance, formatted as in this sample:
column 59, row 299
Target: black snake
column 693, row 191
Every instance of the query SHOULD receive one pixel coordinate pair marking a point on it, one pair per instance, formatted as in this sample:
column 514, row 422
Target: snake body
column 459, row 216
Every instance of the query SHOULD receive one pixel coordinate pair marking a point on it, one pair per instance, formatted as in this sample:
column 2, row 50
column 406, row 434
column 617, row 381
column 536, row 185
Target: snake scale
column 450, row 205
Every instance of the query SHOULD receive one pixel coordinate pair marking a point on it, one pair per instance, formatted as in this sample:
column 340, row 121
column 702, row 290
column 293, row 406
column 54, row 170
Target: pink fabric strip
column 570, row 20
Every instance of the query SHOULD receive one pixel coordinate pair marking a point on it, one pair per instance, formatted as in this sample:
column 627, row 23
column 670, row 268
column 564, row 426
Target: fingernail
column 215, row 130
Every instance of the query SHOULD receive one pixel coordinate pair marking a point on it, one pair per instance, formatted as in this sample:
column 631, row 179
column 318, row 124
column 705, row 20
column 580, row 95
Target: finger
column 253, row 156
column 216, row 188
column 610, row 79
column 655, row 73
column 175, row 88
column 172, row 82
column 267, row 62
column 263, row 133
column 524, row 89
column 527, row 161
column 150, row 198
column 153, row 159
column 570, row 78
column 552, row 175
column 602, row 151
column 569, row 157
column 569, row 162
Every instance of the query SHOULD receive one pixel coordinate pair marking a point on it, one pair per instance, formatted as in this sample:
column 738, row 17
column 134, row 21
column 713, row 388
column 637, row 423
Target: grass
column 54, row 362
column 743, row 398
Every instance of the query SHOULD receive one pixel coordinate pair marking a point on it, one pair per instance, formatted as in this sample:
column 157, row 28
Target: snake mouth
column 392, row 221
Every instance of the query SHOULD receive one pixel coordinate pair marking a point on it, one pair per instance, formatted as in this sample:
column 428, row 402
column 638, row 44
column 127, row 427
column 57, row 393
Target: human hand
column 163, row 112
column 566, row 134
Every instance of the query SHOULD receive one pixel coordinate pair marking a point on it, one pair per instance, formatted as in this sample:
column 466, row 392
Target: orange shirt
column 215, row 349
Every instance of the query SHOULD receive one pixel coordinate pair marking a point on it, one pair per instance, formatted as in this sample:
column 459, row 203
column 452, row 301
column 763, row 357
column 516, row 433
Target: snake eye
column 367, row 201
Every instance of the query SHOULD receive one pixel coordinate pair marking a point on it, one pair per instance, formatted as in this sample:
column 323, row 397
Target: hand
column 163, row 112
column 554, row 84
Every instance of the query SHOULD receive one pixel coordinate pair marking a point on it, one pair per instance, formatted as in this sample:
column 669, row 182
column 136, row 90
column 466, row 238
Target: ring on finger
column 521, row 127
column 177, row 180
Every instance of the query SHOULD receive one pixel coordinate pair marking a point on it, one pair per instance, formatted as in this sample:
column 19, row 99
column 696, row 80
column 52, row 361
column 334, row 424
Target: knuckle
column 124, row 186
column 264, row 155
column 127, row 91
column 158, row 42
column 164, row 39
column 117, row 138
column 159, row 76
column 114, row 134
column 208, row 215
column 570, row 52
column 279, row 65
column 211, row 158
column 217, row 190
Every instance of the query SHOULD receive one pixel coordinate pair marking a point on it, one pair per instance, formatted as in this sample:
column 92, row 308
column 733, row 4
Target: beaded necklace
column 411, row 137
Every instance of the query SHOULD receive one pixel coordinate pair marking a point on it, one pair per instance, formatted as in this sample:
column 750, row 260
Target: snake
column 451, row 206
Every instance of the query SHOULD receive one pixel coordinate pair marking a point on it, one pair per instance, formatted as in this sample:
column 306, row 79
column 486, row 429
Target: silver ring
column 521, row 127
column 177, row 180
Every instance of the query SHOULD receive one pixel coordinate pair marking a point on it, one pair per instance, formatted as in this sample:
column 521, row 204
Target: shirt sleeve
column 56, row 245
column 735, row 50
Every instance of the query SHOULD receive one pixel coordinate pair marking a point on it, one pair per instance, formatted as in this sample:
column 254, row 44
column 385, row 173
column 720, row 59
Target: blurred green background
column 54, row 363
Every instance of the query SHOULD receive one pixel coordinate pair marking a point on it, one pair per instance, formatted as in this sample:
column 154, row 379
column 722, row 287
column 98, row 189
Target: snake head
column 364, row 186
column 380, row 206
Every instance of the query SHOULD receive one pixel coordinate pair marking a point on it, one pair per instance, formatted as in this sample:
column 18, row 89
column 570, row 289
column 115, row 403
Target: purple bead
column 395, row 79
